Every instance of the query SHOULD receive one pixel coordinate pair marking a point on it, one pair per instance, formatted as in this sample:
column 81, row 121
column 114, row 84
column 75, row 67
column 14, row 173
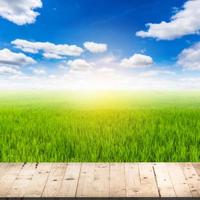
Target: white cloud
column 107, row 60
column 106, row 70
column 50, row 50
column 190, row 58
column 39, row 71
column 104, row 66
column 10, row 58
column 52, row 76
column 184, row 22
column 79, row 65
column 20, row 12
column 95, row 47
column 9, row 71
column 156, row 72
column 52, row 55
column 137, row 61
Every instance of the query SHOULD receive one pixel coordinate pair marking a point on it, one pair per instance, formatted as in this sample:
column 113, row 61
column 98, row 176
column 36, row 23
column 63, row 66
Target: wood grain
column 99, row 180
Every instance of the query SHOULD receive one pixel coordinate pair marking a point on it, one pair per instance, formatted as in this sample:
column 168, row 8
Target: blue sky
column 100, row 42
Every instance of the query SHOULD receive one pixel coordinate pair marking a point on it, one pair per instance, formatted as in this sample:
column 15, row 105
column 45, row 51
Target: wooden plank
column 148, row 182
column 197, row 168
column 117, row 180
column 94, row 180
column 192, row 179
column 8, row 177
column 54, row 180
column 70, row 181
column 3, row 168
column 132, row 177
column 86, row 180
column 22, row 181
column 164, row 183
column 39, row 180
column 101, row 180
column 179, row 182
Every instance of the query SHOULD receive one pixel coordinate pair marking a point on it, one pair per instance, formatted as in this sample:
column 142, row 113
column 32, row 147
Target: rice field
column 99, row 126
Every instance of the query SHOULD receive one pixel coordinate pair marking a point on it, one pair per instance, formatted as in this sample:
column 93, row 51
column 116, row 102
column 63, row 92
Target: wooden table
column 99, row 179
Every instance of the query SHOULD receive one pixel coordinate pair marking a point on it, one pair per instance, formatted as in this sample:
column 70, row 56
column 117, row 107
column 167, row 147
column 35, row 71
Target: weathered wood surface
column 99, row 180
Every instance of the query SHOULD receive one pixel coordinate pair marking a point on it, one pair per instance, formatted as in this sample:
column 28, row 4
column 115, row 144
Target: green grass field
column 99, row 126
